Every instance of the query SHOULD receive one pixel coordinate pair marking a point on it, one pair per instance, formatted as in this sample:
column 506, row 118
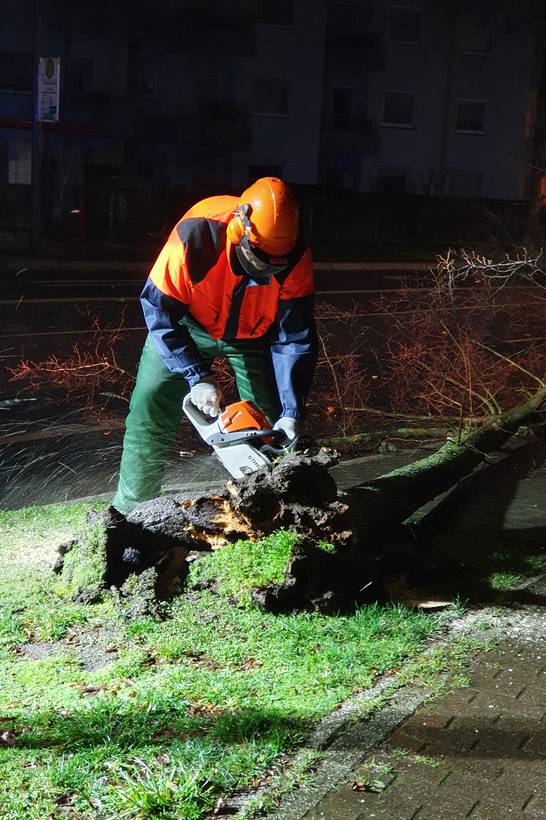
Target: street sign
column 49, row 72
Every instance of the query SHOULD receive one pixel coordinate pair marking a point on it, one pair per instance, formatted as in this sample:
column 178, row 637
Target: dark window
column 347, row 22
column 207, row 87
column 148, row 87
column 15, row 71
column 392, row 180
column 19, row 162
column 257, row 171
column 404, row 25
column 398, row 108
column 80, row 77
column 275, row 12
column 478, row 27
column 342, row 107
column 151, row 81
column 270, row 96
column 470, row 116
column 475, row 38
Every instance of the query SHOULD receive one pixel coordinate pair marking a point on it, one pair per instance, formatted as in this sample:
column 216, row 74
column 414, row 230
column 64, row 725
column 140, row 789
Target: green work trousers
column 155, row 410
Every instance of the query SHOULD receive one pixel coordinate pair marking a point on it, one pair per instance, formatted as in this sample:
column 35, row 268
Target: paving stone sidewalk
column 479, row 752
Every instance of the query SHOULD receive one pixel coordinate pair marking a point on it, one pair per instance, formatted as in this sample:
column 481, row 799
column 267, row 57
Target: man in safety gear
column 234, row 279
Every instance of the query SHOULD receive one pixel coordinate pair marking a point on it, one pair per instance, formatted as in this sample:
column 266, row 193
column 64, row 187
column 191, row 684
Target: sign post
column 49, row 72
column 46, row 109
column 36, row 135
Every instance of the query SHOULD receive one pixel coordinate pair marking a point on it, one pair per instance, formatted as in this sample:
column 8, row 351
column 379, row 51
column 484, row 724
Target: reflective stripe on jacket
column 197, row 275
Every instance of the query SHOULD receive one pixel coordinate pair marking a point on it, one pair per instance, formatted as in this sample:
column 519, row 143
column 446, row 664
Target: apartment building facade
column 432, row 97
column 443, row 105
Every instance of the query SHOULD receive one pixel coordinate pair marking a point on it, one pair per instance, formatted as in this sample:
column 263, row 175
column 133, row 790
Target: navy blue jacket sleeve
column 174, row 344
column 294, row 353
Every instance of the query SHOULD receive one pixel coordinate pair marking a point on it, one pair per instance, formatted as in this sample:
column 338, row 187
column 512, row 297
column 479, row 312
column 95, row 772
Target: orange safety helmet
column 267, row 217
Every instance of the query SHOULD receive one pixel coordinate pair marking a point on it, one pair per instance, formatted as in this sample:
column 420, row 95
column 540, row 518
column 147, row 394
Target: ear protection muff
column 239, row 226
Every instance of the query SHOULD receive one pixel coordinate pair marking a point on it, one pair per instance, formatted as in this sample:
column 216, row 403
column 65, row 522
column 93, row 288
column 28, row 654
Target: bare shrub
column 342, row 384
column 88, row 376
column 467, row 340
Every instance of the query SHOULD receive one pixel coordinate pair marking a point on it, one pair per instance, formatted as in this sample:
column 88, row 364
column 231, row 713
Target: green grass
column 173, row 713
column 504, row 580
column 239, row 568
column 537, row 562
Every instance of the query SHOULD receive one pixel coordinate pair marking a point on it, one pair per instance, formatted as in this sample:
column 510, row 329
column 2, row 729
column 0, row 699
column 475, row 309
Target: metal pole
column 453, row 23
column 36, row 135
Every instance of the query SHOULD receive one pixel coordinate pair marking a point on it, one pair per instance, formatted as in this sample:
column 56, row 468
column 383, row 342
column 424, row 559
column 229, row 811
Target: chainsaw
column 241, row 436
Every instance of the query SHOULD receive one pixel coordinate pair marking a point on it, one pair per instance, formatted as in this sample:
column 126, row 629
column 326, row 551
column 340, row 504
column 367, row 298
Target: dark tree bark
column 538, row 135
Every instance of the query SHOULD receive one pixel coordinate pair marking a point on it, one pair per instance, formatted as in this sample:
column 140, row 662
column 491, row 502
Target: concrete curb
column 351, row 747
column 347, row 738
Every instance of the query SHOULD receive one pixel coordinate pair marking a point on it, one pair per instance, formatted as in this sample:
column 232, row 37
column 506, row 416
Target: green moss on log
column 85, row 564
column 376, row 436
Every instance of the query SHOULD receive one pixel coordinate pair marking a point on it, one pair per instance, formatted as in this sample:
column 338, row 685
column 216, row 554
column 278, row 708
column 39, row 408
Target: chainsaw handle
column 282, row 450
column 205, row 425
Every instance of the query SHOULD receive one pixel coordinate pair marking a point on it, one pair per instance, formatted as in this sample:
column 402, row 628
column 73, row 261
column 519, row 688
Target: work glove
column 290, row 427
column 207, row 396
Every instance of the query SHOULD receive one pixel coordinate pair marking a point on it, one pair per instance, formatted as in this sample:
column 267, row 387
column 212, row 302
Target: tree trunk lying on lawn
column 343, row 536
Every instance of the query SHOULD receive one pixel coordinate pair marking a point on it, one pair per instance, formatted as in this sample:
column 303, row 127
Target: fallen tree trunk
column 395, row 495
column 334, row 565
column 377, row 436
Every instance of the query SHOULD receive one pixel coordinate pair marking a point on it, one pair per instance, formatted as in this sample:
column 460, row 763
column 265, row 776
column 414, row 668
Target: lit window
column 470, row 116
column 404, row 25
column 398, row 108
column 278, row 13
column 270, row 96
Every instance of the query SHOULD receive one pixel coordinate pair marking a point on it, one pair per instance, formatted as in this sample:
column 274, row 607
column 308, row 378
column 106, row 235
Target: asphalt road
column 51, row 450
column 45, row 311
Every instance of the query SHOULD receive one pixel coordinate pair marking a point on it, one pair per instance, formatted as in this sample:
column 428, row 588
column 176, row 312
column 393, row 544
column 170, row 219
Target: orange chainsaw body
column 243, row 415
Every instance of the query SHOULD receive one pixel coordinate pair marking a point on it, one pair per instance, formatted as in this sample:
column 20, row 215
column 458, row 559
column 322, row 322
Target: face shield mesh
column 256, row 264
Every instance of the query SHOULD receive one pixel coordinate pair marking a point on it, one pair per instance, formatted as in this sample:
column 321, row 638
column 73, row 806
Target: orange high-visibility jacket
column 197, row 277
